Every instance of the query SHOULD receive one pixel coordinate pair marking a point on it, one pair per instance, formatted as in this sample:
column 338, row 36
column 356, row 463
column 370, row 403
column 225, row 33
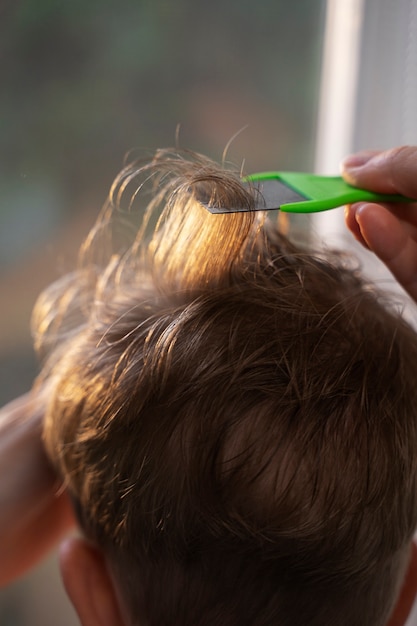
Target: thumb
column 392, row 171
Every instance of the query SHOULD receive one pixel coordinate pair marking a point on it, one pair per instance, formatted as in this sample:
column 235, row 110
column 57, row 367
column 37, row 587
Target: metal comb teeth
column 269, row 195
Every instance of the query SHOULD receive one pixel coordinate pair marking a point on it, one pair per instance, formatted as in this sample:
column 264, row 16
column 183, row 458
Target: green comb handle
column 323, row 192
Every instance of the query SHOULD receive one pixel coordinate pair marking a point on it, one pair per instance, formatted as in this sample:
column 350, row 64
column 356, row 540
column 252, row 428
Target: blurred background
column 83, row 82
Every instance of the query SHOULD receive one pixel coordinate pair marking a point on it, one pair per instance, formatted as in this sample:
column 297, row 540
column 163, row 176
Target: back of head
column 234, row 417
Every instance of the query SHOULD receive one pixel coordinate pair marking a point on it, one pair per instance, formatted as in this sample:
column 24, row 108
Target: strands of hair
column 187, row 248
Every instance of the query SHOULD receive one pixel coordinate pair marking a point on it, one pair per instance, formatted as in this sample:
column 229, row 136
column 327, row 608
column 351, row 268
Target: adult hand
column 34, row 515
column 390, row 231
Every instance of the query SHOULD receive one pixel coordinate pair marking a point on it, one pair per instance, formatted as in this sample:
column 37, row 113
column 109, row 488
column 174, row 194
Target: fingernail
column 358, row 208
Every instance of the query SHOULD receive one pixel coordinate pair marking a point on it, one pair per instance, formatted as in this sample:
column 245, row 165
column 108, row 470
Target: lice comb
column 297, row 192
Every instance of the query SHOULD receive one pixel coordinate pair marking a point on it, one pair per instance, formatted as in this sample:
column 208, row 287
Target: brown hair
column 234, row 417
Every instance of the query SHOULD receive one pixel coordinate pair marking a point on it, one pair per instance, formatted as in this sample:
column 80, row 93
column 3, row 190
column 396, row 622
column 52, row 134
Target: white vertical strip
column 341, row 57
column 386, row 98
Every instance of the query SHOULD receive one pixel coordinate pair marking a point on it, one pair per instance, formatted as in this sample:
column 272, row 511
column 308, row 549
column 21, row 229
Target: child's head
column 234, row 417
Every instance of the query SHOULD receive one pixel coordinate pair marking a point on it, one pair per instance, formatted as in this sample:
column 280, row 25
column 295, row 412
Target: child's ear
column 88, row 584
